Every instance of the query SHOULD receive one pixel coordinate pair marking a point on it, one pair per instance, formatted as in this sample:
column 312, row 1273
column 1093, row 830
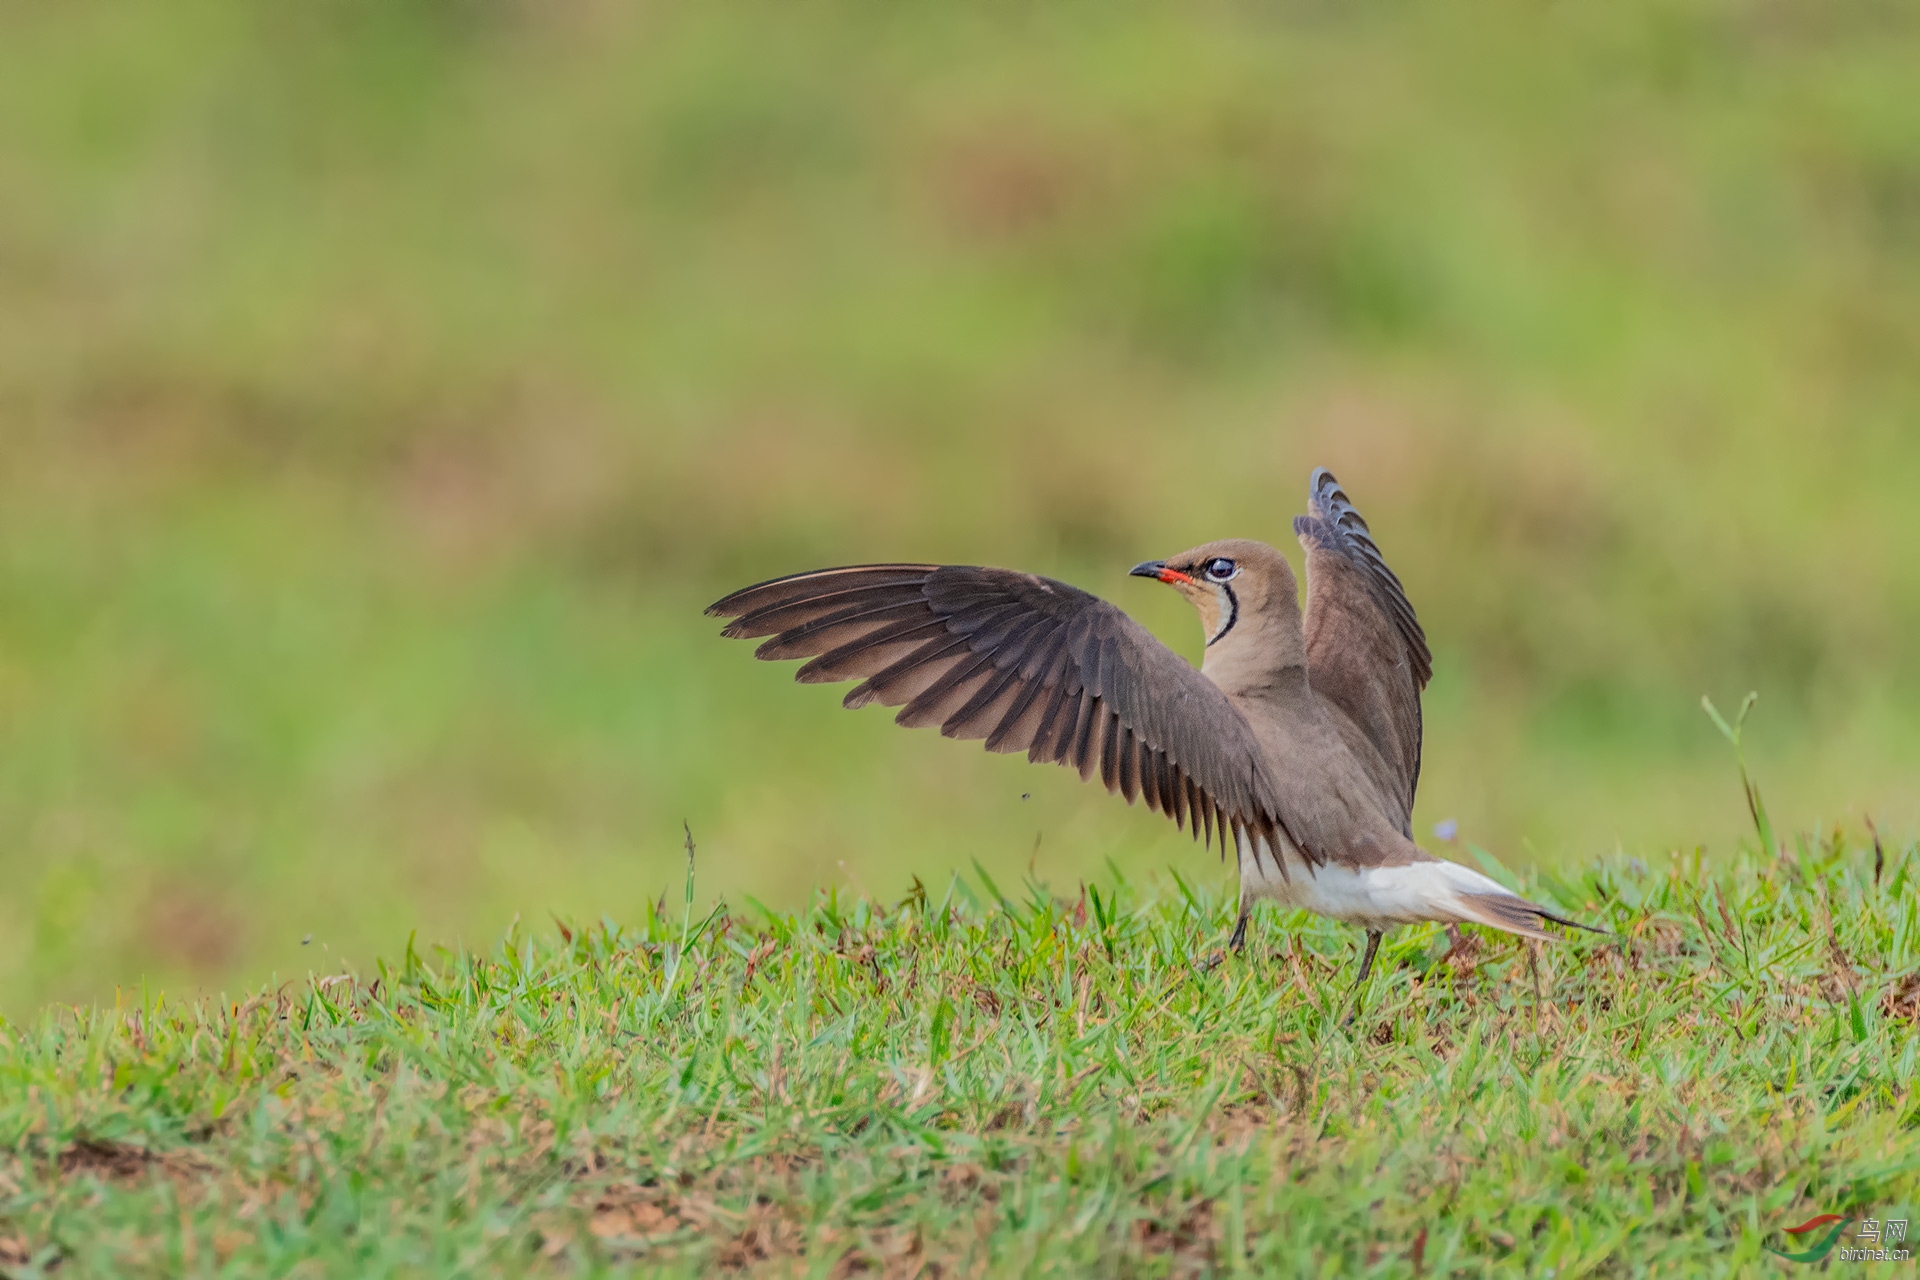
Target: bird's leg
column 1239, row 941
column 1366, row 967
column 1533, row 967
column 1366, row 961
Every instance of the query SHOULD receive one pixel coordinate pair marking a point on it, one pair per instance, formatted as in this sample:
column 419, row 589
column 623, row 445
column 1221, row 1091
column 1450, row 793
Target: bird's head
column 1235, row 585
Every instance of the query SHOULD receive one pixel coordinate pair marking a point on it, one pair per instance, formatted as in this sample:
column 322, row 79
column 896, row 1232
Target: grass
column 386, row 385
column 975, row 1082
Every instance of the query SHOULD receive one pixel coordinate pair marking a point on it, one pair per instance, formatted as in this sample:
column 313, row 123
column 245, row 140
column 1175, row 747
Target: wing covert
column 1027, row 664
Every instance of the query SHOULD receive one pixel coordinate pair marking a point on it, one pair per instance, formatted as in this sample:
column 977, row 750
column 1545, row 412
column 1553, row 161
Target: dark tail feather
column 1571, row 924
column 1514, row 914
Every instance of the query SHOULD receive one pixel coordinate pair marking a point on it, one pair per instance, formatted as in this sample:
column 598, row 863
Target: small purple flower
column 1446, row 829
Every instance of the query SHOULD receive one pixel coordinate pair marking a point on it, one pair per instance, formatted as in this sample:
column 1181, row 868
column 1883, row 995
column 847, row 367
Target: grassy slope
column 1015, row 1085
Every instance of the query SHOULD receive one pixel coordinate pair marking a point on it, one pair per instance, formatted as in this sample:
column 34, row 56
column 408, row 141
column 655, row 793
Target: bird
column 1296, row 744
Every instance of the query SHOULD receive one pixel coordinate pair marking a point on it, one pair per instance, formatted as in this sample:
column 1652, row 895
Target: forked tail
column 1481, row 900
column 1514, row 914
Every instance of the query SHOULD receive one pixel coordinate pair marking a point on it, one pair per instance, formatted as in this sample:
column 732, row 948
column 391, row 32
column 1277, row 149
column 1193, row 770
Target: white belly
column 1374, row 898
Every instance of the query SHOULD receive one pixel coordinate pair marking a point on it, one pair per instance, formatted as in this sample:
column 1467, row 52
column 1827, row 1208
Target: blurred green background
column 387, row 385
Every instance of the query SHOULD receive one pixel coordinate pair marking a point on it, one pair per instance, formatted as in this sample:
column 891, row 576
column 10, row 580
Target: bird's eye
column 1220, row 569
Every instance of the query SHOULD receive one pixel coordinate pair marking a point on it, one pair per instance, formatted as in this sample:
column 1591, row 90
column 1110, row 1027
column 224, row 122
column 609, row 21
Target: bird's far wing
column 1366, row 654
column 1029, row 664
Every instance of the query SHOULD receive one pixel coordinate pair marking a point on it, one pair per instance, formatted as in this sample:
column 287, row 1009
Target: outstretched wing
column 1029, row 664
column 1366, row 654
